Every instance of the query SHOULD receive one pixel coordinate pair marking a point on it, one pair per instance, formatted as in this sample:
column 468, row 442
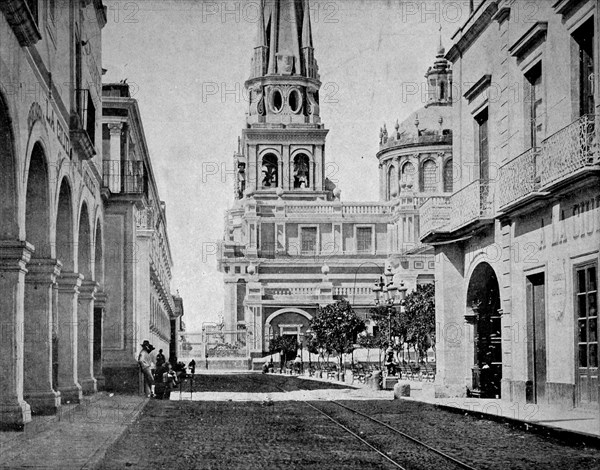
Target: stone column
column 97, row 348
column 14, row 411
column 115, row 156
column 68, row 291
column 85, row 336
column 38, row 386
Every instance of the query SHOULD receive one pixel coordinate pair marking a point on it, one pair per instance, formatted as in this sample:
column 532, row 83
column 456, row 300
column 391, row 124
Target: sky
column 186, row 62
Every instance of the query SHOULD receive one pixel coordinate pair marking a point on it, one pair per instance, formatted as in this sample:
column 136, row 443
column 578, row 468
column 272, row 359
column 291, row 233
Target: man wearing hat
column 145, row 362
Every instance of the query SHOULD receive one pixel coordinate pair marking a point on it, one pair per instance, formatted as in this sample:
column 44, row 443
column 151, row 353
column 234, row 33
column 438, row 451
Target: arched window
column 428, row 177
column 408, row 175
column 391, row 183
column 448, row 176
column 301, row 171
column 270, row 171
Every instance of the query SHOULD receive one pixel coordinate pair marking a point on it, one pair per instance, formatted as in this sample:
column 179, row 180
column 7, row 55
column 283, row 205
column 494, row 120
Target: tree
column 420, row 312
column 287, row 345
column 336, row 327
column 413, row 325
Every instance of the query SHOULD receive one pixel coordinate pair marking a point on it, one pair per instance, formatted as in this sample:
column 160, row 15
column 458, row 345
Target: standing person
column 169, row 379
column 160, row 359
column 192, row 366
column 145, row 362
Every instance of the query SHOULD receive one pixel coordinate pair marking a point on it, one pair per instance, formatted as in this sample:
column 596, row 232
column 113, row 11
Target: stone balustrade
column 434, row 213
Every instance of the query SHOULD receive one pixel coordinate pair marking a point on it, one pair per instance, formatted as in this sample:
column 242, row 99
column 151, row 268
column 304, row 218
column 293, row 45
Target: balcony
column 434, row 213
column 124, row 177
column 563, row 158
column 83, row 125
column 468, row 209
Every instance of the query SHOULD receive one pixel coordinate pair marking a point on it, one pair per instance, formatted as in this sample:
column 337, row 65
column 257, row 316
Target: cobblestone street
column 274, row 434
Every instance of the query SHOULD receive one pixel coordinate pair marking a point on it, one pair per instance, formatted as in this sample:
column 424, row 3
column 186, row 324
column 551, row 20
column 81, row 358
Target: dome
column 428, row 125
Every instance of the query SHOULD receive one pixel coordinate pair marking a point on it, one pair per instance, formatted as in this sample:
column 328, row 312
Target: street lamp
column 389, row 298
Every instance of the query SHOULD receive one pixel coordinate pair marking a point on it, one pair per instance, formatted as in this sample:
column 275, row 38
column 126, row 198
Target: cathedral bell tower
column 282, row 149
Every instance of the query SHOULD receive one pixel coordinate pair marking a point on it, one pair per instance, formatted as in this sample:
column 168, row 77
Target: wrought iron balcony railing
column 517, row 178
column 562, row 154
column 568, row 150
column 124, row 177
column 474, row 201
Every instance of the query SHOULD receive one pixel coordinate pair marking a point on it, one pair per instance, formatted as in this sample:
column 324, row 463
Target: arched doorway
column 65, row 339
column 483, row 312
column 38, row 383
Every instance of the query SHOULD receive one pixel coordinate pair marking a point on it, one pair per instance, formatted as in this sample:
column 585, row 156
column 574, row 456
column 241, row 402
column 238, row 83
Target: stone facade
column 51, row 242
column 138, row 263
column 290, row 243
column 517, row 246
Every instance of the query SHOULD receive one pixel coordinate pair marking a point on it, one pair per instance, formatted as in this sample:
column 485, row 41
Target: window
column 448, row 175
column 391, row 182
column 408, row 173
column 587, row 316
column 364, row 239
column 481, row 121
column 308, row 239
column 584, row 37
column 535, row 105
column 429, row 177
column 270, row 171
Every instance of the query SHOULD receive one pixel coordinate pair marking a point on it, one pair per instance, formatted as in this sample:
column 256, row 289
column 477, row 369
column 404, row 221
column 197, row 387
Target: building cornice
column 472, row 29
column 533, row 36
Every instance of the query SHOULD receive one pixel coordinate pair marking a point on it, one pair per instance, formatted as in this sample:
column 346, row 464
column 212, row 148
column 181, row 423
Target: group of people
column 162, row 373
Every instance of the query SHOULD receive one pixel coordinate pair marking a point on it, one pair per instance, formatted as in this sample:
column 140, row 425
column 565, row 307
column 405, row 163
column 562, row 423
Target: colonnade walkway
column 75, row 438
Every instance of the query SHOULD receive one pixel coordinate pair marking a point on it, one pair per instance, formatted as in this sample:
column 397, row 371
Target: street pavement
column 80, row 436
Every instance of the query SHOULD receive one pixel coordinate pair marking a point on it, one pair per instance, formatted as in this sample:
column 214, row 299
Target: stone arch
column 286, row 310
column 37, row 203
column 483, row 312
column 64, row 226
column 9, row 207
column 84, row 243
column 428, row 176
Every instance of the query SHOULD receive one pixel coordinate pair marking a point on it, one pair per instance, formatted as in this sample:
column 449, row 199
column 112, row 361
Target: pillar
column 38, row 386
column 68, row 291
column 99, row 307
column 14, row 411
column 85, row 336
column 115, row 156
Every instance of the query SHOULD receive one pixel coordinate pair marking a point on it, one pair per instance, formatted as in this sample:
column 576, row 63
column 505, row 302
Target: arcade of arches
column 51, row 266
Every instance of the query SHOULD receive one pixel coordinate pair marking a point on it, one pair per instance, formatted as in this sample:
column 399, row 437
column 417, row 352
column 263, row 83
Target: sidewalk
column 576, row 425
column 76, row 438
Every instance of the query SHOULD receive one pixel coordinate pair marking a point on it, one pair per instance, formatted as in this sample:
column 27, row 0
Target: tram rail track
column 451, row 462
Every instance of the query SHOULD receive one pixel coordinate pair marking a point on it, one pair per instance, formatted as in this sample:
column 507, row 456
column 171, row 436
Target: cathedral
column 290, row 243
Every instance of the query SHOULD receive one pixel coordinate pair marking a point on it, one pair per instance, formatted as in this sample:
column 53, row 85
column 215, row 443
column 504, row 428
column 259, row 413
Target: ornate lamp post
column 389, row 300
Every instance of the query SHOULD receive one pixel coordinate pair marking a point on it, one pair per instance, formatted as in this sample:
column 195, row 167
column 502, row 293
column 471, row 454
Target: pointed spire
column 306, row 26
column 441, row 51
column 261, row 35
